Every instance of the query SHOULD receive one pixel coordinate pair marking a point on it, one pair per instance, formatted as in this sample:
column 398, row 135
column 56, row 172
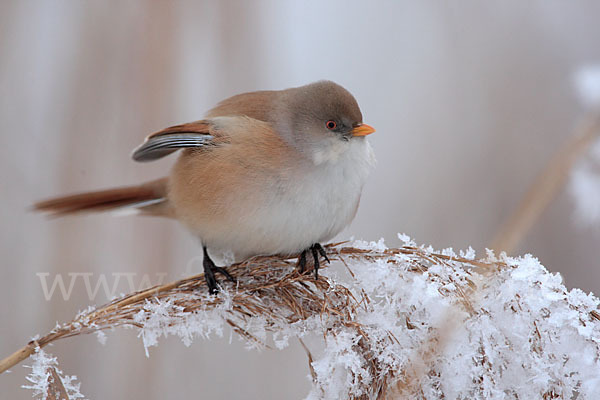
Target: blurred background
column 470, row 100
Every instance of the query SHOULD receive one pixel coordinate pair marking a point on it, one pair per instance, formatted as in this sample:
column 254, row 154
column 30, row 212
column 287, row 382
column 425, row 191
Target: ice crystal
column 41, row 378
column 407, row 322
column 454, row 333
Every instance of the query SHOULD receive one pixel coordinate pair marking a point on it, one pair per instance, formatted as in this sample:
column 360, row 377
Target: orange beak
column 363, row 130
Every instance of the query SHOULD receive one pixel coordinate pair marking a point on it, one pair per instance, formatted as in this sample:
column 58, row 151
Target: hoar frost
column 521, row 334
column 419, row 324
column 40, row 376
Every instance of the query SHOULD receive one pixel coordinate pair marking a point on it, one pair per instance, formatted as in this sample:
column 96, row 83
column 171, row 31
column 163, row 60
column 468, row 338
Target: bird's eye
column 331, row 124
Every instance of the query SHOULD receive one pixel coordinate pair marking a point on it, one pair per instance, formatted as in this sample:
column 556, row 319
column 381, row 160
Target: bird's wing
column 165, row 142
column 256, row 105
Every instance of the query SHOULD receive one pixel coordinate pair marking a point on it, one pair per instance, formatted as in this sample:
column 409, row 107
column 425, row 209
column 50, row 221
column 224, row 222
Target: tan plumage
column 265, row 172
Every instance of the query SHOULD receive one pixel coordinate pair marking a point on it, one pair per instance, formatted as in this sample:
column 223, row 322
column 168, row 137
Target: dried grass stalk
column 271, row 293
column 56, row 389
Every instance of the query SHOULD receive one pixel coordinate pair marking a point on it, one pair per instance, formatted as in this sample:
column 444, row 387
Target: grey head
column 318, row 114
column 312, row 118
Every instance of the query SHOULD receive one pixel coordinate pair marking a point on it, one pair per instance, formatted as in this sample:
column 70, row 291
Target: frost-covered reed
column 404, row 322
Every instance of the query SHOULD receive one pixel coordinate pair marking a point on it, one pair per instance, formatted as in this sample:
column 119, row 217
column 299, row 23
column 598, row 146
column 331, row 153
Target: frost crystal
column 403, row 323
column 163, row 318
column 430, row 330
column 520, row 335
column 48, row 382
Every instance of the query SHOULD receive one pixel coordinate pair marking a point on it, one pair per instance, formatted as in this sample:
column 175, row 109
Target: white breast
column 312, row 208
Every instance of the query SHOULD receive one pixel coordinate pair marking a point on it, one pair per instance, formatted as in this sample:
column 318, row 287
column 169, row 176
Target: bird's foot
column 210, row 269
column 316, row 251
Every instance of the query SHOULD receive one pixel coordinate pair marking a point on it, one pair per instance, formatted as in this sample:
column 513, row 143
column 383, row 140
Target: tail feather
column 148, row 198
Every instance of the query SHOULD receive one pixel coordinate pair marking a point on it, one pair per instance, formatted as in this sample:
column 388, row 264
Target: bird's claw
column 209, row 274
column 316, row 251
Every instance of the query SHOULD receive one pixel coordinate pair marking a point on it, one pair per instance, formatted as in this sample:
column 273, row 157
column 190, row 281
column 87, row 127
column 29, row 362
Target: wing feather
column 169, row 140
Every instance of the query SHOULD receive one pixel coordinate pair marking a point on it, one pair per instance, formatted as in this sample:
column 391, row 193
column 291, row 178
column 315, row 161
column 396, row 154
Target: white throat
column 330, row 150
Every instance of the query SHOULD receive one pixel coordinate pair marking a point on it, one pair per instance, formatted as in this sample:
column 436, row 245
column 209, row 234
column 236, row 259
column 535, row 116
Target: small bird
column 266, row 172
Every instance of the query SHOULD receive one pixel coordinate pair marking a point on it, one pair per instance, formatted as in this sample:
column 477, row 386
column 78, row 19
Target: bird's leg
column 302, row 261
column 315, row 255
column 316, row 250
column 209, row 273
column 322, row 252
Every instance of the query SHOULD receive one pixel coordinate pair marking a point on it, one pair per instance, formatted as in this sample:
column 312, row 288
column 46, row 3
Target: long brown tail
column 148, row 198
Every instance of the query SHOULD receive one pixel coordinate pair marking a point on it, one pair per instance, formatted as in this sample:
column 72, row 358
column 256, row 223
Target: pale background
column 469, row 99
